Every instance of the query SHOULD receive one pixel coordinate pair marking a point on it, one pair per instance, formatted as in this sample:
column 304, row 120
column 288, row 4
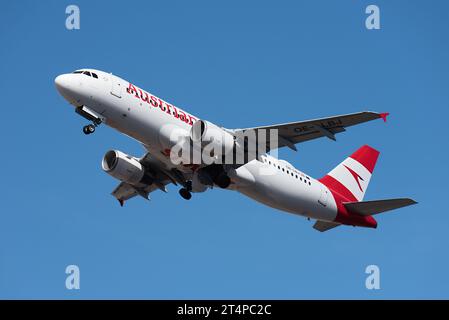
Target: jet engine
column 211, row 137
column 124, row 168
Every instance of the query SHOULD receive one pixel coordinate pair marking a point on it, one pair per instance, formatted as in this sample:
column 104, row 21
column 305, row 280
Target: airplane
column 333, row 200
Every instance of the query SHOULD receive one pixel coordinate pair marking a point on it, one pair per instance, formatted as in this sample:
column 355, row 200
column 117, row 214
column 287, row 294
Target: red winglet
column 121, row 202
column 384, row 116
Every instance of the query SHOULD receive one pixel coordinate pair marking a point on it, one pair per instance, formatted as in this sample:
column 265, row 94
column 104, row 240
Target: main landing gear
column 185, row 192
column 223, row 181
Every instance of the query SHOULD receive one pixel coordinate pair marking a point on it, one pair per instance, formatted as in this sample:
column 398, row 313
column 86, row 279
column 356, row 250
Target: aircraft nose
column 66, row 86
column 62, row 83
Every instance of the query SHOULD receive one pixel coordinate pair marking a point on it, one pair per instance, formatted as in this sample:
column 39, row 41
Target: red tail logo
column 356, row 176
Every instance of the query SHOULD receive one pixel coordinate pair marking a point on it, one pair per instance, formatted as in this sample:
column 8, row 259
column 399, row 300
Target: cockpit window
column 87, row 73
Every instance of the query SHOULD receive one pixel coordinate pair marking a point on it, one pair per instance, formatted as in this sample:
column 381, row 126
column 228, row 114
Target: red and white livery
column 335, row 199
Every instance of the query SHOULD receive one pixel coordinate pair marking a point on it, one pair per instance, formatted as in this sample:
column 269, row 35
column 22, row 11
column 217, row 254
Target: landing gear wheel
column 223, row 181
column 89, row 129
column 185, row 194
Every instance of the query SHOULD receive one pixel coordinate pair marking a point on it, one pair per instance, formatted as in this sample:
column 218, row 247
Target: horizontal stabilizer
column 368, row 208
column 324, row 225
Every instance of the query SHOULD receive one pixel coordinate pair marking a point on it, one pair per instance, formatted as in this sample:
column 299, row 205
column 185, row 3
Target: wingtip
column 384, row 116
column 410, row 201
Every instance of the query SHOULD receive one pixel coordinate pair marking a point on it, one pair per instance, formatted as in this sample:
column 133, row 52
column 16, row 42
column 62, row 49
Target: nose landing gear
column 91, row 116
column 89, row 129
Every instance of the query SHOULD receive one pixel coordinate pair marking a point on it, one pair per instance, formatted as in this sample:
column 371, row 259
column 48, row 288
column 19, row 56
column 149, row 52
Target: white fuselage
column 151, row 121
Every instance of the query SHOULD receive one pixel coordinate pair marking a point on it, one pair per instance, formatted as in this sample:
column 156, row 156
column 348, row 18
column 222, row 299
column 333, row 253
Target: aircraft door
column 116, row 88
column 323, row 196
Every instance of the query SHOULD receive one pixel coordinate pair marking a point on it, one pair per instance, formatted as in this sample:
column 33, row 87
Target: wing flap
column 124, row 191
column 367, row 208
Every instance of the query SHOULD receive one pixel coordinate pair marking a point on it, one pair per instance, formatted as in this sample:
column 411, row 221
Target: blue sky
column 239, row 65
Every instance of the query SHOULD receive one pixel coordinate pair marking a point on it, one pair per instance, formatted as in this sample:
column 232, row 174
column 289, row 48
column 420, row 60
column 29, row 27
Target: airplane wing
column 125, row 191
column 161, row 178
column 296, row 132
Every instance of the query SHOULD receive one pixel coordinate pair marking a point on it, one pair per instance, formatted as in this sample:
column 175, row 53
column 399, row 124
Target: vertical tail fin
column 351, row 177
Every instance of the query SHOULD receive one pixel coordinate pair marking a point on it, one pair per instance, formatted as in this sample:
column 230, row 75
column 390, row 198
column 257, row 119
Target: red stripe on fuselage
column 349, row 218
column 336, row 186
column 341, row 194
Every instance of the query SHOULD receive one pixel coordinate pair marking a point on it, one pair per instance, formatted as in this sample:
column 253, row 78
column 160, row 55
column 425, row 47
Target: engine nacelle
column 208, row 135
column 123, row 167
